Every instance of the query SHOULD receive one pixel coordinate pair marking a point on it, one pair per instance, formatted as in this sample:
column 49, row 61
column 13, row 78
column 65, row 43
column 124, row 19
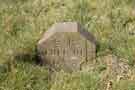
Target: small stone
column 65, row 46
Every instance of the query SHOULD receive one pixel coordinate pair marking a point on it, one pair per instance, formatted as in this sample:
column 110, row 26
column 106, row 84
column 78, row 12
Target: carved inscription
column 57, row 50
column 63, row 52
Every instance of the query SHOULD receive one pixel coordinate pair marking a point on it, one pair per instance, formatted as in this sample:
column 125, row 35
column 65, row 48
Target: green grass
column 24, row 77
column 23, row 22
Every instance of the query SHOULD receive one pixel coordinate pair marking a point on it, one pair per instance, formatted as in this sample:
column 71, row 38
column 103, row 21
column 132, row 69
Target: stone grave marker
column 66, row 46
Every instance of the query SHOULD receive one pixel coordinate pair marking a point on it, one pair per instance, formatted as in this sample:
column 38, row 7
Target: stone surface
column 66, row 46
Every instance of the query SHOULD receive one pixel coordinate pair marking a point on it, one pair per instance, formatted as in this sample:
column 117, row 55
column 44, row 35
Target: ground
column 23, row 22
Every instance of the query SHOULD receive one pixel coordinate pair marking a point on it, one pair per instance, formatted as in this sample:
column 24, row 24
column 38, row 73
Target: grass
column 24, row 77
column 22, row 23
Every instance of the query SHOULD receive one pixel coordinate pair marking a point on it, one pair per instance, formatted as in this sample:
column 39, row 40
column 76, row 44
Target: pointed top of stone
column 68, row 27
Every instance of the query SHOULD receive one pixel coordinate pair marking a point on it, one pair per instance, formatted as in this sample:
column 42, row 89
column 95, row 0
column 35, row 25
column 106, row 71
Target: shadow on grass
column 28, row 57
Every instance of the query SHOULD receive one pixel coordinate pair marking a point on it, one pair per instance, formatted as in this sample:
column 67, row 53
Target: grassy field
column 23, row 22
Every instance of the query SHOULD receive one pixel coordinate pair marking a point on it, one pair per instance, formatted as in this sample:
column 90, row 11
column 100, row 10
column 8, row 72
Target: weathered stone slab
column 66, row 46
